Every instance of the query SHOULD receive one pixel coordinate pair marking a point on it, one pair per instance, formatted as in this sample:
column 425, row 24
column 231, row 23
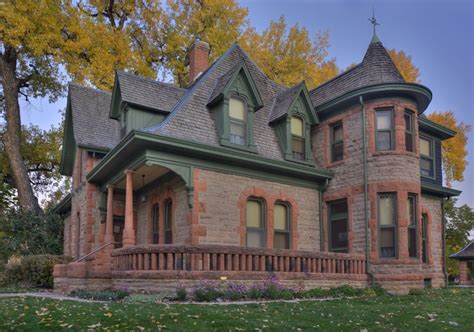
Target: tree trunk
column 12, row 138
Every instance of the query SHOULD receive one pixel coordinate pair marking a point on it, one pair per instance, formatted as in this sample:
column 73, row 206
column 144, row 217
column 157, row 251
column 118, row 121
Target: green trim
column 413, row 226
column 91, row 148
column 332, row 126
column 440, row 191
column 410, row 114
column 434, row 128
column 190, row 153
column 64, row 206
column 68, row 153
column 420, row 93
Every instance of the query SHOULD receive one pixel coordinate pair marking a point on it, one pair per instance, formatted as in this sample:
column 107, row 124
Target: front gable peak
column 294, row 101
column 240, row 82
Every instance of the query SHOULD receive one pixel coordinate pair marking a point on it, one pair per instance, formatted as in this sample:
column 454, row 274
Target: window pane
column 384, row 140
column 156, row 214
column 412, row 242
column 411, row 211
column 237, row 133
column 408, row 122
column 386, row 210
column 409, row 142
column 425, row 147
column 337, row 133
column 237, row 109
column 337, row 152
column 387, row 242
column 281, row 241
column 254, row 238
column 338, row 209
column 280, row 217
column 298, row 148
column 339, row 234
column 384, row 120
column 297, row 126
column 426, row 167
column 254, row 214
column 168, row 215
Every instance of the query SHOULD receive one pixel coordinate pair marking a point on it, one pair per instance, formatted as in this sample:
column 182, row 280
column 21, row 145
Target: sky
column 438, row 35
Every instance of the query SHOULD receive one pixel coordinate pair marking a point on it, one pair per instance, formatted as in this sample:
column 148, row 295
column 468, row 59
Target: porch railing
column 230, row 258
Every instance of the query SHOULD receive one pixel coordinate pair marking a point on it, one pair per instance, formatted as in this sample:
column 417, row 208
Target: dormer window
column 297, row 138
column 238, row 121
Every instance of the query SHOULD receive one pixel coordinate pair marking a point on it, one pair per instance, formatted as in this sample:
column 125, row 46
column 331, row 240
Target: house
column 237, row 176
column 466, row 264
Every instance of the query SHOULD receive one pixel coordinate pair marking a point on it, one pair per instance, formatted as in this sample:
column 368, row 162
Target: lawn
column 451, row 309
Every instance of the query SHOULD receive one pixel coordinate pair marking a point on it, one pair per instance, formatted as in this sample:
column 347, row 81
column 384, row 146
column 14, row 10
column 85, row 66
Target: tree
column 405, row 65
column 459, row 222
column 290, row 56
column 454, row 149
column 37, row 38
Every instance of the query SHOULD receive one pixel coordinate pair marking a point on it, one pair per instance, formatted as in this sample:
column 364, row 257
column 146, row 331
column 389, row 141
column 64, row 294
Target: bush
column 36, row 270
column 416, row 291
column 207, row 294
column 99, row 295
column 181, row 294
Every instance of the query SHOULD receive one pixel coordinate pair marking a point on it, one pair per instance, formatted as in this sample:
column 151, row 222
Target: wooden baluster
column 243, row 261
column 154, row 263
column 235, row 263
column 318, row 265
column 261, row 259
column 249, row 264
column 205, row 261
column 139, row 261
column 161, row 261
column 146, row 261
column 298, row 264
column 287, row 264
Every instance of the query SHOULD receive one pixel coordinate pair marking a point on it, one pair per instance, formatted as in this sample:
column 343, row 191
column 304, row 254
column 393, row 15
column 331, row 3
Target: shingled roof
column 283, row 101
column 377, row 67
column 148, row 93
column 466, row 253
column 90, row 117
column 192, row 120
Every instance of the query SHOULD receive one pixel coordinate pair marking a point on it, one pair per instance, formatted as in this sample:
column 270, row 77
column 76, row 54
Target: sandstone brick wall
column 174, row 190
column 431, row 206
column 67, row 236
column 222, row 203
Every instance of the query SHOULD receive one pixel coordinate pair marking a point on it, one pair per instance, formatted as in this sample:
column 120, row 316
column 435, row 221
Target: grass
column 448, row 309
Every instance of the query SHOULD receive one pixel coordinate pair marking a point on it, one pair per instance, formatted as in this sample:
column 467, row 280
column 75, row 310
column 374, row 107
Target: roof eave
column 420, row 93
column 439, row 190
column 437, row 129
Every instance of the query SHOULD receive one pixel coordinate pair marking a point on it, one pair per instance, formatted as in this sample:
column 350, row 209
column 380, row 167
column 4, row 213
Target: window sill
column 303, row 162
column 395, row 153
column 226, row 143
column 335, row 163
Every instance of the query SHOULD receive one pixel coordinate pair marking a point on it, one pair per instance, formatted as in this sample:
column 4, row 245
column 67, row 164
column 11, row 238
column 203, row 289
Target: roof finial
column 374, row 23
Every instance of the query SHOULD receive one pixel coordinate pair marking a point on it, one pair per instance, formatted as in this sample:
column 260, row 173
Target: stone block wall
column 221, row 199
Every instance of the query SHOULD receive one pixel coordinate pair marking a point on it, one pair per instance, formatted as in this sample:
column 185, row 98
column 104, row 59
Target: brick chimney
column 198, row 59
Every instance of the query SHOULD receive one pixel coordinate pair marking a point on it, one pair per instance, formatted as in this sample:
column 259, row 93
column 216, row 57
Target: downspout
column 366, row 193
column 321, row 231
column 445, row 263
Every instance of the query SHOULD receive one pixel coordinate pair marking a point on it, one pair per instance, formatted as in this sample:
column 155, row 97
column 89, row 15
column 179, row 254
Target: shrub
column 344, row 290
column 255, row 293
column 416, row 291
column 181, row 294
column 235, row 292
column 103, row 295
column 208, row 292
column 36, row 270
column 313, row 293
column 379, row 290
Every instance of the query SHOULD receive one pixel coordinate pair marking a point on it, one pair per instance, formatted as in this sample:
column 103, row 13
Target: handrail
column 94, row 251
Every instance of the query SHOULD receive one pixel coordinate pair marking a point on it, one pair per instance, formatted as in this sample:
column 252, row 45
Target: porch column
column 109, row 221
column 129, row 232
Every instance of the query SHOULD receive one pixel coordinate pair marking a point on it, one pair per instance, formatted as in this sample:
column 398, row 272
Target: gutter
column 321, row 235
column 443, row 218
column 366, row 194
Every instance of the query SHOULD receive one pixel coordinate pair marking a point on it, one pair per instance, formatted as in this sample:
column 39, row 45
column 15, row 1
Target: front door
column 118, row 231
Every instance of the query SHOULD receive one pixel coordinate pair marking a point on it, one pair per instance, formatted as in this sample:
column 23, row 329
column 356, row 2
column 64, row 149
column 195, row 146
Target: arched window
column 238, row 121
column 168, row 222
column 281, row 226
column 255, row 222
column 297, row 138
column 155, row 224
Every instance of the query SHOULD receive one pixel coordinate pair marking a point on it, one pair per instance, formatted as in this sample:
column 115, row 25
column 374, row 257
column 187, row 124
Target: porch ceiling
column 143, row 176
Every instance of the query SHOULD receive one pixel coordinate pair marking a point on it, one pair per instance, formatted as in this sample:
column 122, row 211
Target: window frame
column 411, row 132
column 413, row 224
column 263, row 229
column 155, row 224
column 301, row 139
column 331, row 218
column 334, row 143
column 391, row 130
column 394, row 225
column 431, row 158
column 288, row 224
column 239, row 122
column 168, row 221
column 424, row 238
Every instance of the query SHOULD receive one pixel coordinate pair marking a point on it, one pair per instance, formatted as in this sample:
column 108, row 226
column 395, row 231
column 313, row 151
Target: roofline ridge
column 147, row 79
column 75, row 84
column 465, row 247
